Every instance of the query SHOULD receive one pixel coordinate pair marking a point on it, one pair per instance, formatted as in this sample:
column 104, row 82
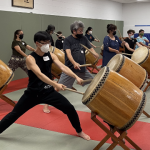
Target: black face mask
column 114, row 33
column 79, row 36
column 21, row 36
column 60, row 38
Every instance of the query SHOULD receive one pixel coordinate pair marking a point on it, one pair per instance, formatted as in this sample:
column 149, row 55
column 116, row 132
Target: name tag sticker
column 46, row 58
column 23, row 43
column 82, row 52
column 116, row 40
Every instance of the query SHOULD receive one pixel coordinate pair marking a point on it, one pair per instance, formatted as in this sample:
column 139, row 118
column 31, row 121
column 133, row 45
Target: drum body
column 115, row 99
column 90, row 59
column 129, row 69
column 6, row 74
column 61, row 56
column 142, row 57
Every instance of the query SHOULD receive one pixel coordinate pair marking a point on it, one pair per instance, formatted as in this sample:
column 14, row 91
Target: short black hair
column 59, row 32
column 141, row 30
column 41, row 36
column 50, row 28
column 130, row 31
column 111, row 27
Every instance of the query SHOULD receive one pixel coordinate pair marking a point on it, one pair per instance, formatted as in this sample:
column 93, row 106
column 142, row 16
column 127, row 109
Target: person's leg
column 22, row 65
column 13, row 63
column 65, row 80
column 24, row 104
column 60, row 102
column 85, row 75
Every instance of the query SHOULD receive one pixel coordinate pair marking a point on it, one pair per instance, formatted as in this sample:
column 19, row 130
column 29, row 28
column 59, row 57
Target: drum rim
column 7, row 81
column 97, row 88
column 121, row 63
column 145, row 58
column 86, row 51
column 144, row 80
column 140, row 63
column 137, row 114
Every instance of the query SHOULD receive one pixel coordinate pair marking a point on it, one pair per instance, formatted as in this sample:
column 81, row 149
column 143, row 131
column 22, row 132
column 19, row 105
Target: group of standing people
column 41, row 88
column 112, row 43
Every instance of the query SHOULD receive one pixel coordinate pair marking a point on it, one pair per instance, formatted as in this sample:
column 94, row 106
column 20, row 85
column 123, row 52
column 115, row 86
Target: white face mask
column 90, row 32
column 45, row 48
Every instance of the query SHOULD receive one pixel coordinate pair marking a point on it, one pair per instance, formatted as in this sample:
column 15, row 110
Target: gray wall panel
column 32, row 23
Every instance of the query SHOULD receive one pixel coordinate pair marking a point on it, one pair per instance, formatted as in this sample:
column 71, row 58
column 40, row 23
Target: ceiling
column 130, row 1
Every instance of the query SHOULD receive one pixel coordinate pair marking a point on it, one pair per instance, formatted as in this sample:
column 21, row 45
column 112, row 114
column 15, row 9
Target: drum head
column 51, row 49
column 115, row 62
column 140, row 55
column 94, row 84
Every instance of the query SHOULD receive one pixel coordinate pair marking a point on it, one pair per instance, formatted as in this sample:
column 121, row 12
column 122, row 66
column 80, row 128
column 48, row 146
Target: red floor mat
column 98, row 64
column 16, row 85
column 58, row 122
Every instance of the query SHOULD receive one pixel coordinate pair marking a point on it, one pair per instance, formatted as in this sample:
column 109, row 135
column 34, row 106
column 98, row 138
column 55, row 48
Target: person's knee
column 69, row 108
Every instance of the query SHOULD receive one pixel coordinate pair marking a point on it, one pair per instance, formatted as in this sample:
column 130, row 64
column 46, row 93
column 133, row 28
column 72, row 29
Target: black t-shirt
column 77, row 51
column 44, row 63
column 131, row 43
column 59, row 44
column 22, row 46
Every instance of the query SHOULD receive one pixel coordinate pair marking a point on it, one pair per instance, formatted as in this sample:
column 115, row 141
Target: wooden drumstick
column 97, row 37
column 88, row 80
column 87, row 49
column 85, row 65
column 58, row 34
column 98, row 46
column 126, row 54
column 74, row 91
column 120, row 35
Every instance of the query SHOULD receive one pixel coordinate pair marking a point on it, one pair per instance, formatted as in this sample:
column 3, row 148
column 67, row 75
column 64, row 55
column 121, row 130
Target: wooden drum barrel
column 6, row 75
column 129, row 69
column 61, row 56
column 142, row 57
column 90, row 59
column 115, row 99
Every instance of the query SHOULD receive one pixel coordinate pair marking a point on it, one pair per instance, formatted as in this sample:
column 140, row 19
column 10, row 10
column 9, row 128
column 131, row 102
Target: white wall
column 96, row 9
column 136, row 14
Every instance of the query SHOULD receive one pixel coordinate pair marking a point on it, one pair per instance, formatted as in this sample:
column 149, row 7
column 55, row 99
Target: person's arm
column 31, row 65
column 63, row 37
column 146, row 40
column 30, row 48
column 18, row 49
column 123, row 43
column 69, row 55
column 113, row 50
column 88, row 45
column 143, row 44
column 96, row 40
column 65, row 69
column 92, row 45
column 128, row 47
column 138, row 44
